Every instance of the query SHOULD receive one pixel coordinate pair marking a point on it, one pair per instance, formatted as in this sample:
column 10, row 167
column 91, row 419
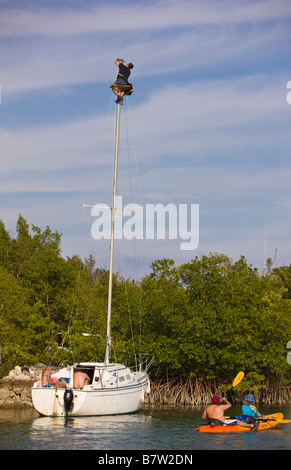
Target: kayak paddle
column 238, row 378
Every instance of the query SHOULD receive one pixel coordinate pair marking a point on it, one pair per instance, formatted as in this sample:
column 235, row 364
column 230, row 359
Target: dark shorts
column 247, row 419
column 121, row 81
column 227, row 422
column 215, row 422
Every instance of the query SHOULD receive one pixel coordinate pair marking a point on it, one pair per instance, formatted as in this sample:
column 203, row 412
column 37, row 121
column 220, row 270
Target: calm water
column 160, row 430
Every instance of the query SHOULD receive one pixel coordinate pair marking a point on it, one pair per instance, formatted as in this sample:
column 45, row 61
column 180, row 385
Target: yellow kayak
column 263, row 426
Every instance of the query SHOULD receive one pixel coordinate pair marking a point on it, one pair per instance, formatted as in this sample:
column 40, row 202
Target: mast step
column 120, row 87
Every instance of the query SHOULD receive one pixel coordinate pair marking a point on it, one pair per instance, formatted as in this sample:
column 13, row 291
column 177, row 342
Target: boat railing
column 142, row 361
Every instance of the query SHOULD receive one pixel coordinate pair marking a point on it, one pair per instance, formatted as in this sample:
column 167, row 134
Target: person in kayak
column 214, row 413
column 124, row 71
column 250, row 412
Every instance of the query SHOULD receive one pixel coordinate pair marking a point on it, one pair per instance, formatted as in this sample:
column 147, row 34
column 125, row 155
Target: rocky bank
column 15, row 388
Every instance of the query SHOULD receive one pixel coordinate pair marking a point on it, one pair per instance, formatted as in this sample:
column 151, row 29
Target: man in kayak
column 124, row 71
column 214, row 413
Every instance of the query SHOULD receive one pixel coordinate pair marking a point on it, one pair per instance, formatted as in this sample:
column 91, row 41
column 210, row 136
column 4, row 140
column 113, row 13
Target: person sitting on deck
column 124, row 71
column 215, row 414
column 46, row 380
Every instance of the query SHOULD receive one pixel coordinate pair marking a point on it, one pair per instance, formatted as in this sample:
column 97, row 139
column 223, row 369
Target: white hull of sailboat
column 50, row 401
column 104, row 398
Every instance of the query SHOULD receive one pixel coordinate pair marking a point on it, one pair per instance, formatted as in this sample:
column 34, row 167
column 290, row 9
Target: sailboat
column 113, row 388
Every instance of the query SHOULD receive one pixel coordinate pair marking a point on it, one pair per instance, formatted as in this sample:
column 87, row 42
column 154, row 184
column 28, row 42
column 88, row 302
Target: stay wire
column 85, row 226
column 127, row 119
column 142, row 204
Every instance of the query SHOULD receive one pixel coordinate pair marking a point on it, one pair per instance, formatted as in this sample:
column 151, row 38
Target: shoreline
column 17, row 395
column 15, row 392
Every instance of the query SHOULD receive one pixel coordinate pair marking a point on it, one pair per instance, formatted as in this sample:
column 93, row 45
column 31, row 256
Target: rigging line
column 128, row 157
column 128, row 305
column 121, row 250
column 100, row 160
column 85, row 227
column 134, row 153
column 141, row 202
column 130, row 186
column 130, row 177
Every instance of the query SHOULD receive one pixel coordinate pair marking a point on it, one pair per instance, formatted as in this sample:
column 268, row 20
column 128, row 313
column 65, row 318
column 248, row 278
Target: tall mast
column 113, row 210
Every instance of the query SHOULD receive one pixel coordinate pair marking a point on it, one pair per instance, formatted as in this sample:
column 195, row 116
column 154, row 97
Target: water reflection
column 89, row 422
column 92, row 432
column 160, row 429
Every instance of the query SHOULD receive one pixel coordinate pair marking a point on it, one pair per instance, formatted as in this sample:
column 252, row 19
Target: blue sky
column 208, row 123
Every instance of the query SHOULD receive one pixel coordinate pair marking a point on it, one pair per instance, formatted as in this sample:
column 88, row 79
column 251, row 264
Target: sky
column 208, row 124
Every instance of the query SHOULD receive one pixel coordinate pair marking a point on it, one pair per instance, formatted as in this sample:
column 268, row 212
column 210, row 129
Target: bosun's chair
column 120, row 87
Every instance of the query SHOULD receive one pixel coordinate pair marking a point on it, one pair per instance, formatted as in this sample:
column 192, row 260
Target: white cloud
column 221, row 140
column 57, row 48
column 137, row 17
column 232, row 112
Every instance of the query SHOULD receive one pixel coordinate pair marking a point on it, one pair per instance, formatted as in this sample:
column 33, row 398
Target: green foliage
column 24, row 328
column 164, row 317
column 208, row 318
column 252, row 382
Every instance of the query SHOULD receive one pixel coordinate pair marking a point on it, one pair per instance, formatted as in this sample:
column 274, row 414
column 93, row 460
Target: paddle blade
column 238, row 378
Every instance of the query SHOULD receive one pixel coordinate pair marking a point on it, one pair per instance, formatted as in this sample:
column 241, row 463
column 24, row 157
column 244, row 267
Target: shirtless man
column 80, row 379
column 215, row 414
column 46, row 380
